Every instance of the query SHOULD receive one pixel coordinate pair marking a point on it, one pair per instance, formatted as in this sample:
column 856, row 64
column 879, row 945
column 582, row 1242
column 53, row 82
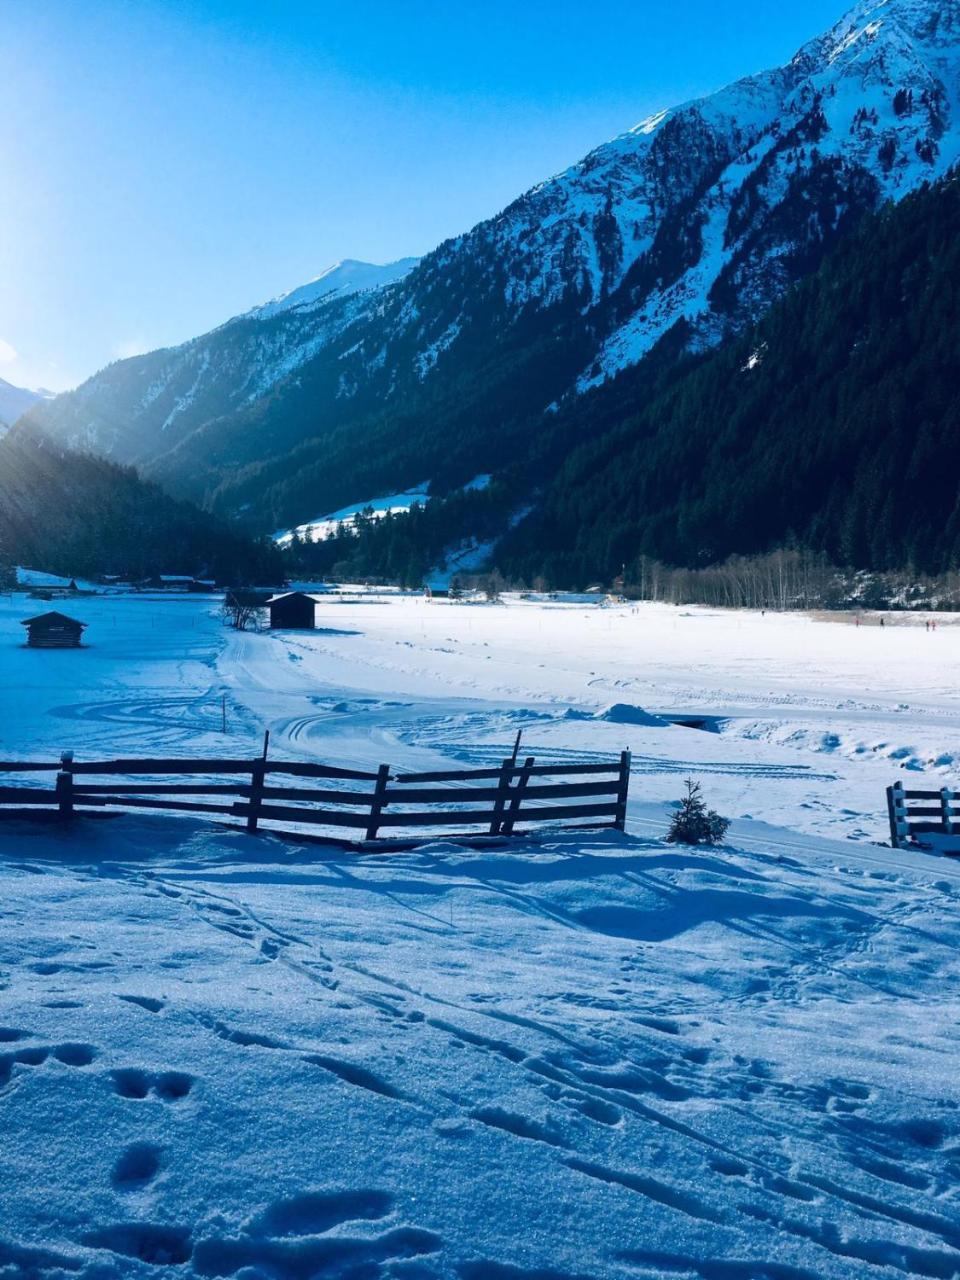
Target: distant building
column 293, row 611
column 168, row 582
column 53, row 631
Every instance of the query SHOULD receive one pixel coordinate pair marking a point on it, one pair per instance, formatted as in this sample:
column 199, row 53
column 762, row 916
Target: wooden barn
column 293, row 611
column 53, row 631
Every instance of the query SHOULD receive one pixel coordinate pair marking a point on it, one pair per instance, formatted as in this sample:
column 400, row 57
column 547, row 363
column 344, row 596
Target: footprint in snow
column 290, row 1238
column 136, row 1084
column 68, row 1055
column 136, row 1167
column 145, row 1002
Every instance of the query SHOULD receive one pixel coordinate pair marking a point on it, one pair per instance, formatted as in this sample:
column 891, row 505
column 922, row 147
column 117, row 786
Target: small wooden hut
column 293, row 611
column 53, row 631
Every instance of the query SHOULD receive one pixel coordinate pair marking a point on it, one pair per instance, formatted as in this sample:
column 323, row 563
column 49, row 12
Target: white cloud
column 8, row 353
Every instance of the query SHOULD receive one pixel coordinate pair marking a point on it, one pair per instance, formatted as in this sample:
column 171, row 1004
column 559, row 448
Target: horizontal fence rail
column 916, row 813
column 491, row 802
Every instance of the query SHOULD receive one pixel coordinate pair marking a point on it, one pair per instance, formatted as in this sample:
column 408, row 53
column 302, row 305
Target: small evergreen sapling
column 694, row 823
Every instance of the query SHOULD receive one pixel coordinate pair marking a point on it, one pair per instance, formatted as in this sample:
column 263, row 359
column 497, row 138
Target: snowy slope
column 590, row 1057
column 691, row 223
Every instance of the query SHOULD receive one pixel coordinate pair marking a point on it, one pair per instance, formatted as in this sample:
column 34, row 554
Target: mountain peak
column 342, row 279
column 15, row 401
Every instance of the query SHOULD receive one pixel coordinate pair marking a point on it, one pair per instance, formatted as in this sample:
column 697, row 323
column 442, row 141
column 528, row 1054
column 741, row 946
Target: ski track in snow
column 591, row 1056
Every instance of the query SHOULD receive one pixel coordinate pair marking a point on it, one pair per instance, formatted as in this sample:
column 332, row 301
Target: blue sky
column 168, row 163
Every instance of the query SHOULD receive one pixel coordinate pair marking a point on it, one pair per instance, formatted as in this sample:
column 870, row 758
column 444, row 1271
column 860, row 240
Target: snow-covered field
column 589, row 1057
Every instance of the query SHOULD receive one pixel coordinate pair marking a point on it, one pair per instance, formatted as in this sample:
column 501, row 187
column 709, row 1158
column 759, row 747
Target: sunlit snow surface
column 591, row 1056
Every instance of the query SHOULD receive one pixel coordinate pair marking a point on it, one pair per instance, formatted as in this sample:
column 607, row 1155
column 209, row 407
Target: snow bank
column 625, row 713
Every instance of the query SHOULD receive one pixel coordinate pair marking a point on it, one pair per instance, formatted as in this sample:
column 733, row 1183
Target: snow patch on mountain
column 374, row 508
column 427, row 359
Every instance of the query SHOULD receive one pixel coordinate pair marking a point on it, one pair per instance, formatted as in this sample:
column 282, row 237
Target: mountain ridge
column 345, row 277
column 670, row 238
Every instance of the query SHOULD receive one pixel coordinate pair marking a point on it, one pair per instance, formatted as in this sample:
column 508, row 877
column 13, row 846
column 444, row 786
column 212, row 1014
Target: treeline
column 790, row 580
column 79, row 516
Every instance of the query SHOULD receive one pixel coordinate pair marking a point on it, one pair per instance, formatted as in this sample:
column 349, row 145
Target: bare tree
column 240, row 608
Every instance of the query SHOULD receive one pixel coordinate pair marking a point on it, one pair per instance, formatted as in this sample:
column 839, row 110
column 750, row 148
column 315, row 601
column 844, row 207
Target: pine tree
column 694, row 823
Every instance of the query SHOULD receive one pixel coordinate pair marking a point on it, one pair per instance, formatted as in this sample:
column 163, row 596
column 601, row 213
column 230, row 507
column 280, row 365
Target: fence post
column 258, row 775
column 897, row 806
column 516, row 798
column 64, row 789
column 946, row 799
column 503, row 790
column 379, row 800
column 623, row 793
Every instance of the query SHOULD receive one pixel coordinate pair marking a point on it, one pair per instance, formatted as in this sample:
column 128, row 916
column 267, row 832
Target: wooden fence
column 914, row 813
column 491, row 802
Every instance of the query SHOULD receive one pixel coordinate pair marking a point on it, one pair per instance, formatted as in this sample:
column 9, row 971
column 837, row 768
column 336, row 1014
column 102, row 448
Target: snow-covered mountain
column 340, row 280
column 15, row 401
column 684, row 228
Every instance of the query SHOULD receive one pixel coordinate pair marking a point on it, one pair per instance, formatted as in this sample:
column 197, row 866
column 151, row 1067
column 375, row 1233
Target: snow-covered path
column 590, row 1058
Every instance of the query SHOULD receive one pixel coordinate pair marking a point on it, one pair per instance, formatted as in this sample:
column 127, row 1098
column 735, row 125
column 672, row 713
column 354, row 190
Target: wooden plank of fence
column 141, row 766
column 308, row 817
column 133, row 802
column 897, row 809
column 64, row 791
column 564, row 812
column 379, row 800
column 483, row 817
column 623, row 791
column 256, row 794
column 257, row 775
column 363, row 799
column 437, row 818
column 28, row 795
column 160, row 789
column 947, row 813
column 298, row 769
column 28, row 766
column 540, row 771
column 516, row 797
column 474, row 795
column 501, row 793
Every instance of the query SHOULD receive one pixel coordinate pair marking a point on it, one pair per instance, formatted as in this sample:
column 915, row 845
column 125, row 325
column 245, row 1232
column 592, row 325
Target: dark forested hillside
column 833, row 425
column 73, row 514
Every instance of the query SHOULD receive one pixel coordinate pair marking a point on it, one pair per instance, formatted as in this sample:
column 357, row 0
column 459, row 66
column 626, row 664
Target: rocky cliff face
column 686, row 227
